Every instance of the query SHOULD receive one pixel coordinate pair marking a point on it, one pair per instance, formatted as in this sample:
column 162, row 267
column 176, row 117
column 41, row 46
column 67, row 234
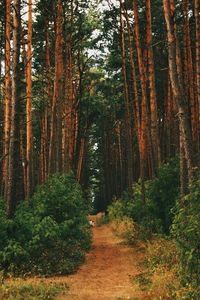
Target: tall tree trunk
column 185, row 131
column 197, row 22
column 29, row 129
column 50, row 99
column 146, row 129
column 120, row 156
column 139, row 118
column 7, row 106
column 14, row 148
column 152, row 87
column 190, row 71
column 127, row 109
column 58, row 87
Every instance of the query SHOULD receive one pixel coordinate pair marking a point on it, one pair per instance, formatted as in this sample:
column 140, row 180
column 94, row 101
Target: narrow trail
column 107, row 272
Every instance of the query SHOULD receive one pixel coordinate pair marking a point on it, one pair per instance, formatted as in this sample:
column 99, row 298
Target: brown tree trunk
column 23, row 158
column 80, row 160
column 50, row 99
column 120, row 156
column 190, row 72
column 152, row 87
column 7, row 106
column 197, row 22
column 146, row 127
column 58, row 82
column 29, row 129
column 127, row 109
column 176, row 88
column 14, row 148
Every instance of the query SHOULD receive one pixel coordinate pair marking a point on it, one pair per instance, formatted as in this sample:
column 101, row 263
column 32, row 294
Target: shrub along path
column 108, row 271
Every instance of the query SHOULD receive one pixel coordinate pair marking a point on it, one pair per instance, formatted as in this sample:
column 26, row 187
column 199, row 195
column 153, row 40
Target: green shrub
column 153, row 216
column 117, row 210
column 102, row 220
column 162, row 251
column 126, row 229
column 49, row 234
column 186, row 230
column 163, row 192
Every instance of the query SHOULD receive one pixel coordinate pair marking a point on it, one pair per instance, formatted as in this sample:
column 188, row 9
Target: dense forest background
column 107, row 92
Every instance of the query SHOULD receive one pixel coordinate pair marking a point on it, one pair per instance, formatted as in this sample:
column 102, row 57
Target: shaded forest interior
column 100, row 111
column 108, row 90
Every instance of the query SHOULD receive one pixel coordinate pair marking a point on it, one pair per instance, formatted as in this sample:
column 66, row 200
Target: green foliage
column 160, row 278
column 153, row 216
column 104, row 219
column 161, row 251
column 117, row 210
column 39, row 291
column 163, row 192
column 126, row 229
column 185, row 229
column 49, row 234
column 142, row 214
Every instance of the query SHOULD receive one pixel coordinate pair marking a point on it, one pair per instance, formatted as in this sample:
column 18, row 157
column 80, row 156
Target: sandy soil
column 107, row 272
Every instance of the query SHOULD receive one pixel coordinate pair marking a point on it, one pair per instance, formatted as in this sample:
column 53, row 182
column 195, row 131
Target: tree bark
column 185, row 131
column 7, row 106
column 152, row 87
column 127, row 109
column 146, row 127
column 14, row 148
column 29, row 127
column 58, row 87
column 197, row 22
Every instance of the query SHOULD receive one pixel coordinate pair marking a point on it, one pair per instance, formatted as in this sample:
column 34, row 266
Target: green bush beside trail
column 49, row 234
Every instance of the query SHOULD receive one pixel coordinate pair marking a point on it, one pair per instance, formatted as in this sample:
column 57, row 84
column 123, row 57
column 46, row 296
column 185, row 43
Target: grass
column 29, row 291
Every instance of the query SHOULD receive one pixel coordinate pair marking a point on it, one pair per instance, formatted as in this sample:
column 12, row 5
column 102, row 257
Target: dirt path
column 107, row 272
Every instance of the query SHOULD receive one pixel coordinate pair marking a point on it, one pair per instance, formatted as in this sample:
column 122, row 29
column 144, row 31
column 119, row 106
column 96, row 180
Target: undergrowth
column 39, row 291
column 49, row 233
column 168, row 225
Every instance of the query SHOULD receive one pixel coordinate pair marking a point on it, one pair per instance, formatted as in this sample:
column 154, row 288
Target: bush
column 126, row 229
column 117, row 210
column 153, row 216
column 162, row 251
column 186, row 230
column 135, row 209
column 163, row 192
column 159, row 277
column 49, row 234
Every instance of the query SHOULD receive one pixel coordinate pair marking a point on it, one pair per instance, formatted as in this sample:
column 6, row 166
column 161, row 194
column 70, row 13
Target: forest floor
column 107, row 274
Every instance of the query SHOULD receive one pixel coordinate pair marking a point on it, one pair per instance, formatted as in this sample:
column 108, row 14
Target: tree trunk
column 29, row 129
column 7, row 106
column 80, row 160
column 152, row 87
column 58, row 89
column 14, row 148
column 146, row 127
column 176, row 88
column 197, row 22
column 189, row 65
column 127, row 109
